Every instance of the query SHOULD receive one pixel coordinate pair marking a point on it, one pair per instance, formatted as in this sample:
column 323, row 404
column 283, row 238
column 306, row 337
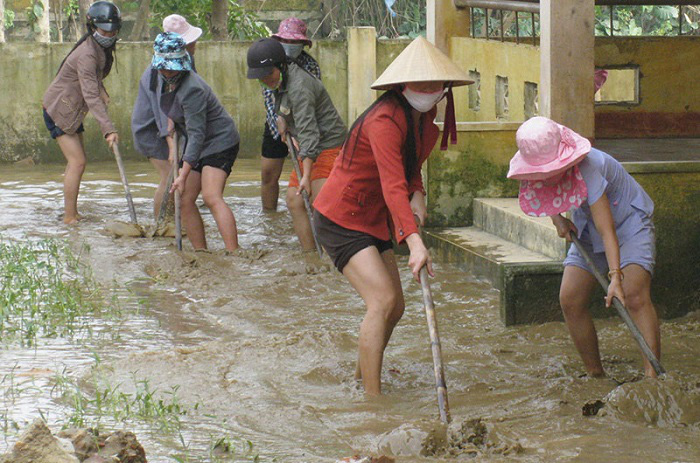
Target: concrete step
column 503, row 218
column 528, row 281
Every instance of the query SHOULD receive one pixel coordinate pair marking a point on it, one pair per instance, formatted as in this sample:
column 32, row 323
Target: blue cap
column 169, row 53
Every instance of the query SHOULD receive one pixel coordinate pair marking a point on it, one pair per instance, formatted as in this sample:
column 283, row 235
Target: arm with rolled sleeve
column 302, row 101
column 386, row 139
column 90, row 88
column 194, row 106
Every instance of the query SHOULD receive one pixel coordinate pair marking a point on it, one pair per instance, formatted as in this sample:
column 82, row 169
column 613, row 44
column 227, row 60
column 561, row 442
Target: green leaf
column 38, row 9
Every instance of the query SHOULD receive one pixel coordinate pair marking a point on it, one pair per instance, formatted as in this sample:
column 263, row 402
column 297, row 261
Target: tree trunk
column 2, row 21
column 140, row 30
column 219, row 20
column 83, row 6
column 58, row 18
column 44, row 23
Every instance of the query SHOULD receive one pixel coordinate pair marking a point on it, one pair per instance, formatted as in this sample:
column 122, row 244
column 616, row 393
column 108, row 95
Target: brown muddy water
column 261, row 347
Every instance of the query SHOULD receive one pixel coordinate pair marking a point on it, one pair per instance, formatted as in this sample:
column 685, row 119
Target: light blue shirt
column 629, row 203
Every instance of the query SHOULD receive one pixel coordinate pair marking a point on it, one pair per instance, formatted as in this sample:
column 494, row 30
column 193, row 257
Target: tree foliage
column 409, row 21
column 242, row 24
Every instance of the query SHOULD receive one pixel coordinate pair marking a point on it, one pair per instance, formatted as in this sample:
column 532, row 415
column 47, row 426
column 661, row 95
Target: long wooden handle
column 621, row 310
column 122, row 173
column 178, row 218
column 440, row 383
column 304, row 194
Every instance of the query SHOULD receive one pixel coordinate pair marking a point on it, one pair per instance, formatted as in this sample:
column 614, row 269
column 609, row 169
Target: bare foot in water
column 71, row 220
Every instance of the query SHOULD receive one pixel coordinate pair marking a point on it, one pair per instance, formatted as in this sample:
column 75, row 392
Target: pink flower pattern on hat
column 540, row 200
column 293, row 29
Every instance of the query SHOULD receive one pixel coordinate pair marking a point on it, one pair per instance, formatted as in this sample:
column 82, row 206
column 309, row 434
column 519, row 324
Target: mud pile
column 664, row 402
column 462, row 438
column 38, row 445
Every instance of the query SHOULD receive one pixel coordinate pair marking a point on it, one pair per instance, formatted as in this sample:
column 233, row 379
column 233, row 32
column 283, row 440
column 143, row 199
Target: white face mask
column 423, row 102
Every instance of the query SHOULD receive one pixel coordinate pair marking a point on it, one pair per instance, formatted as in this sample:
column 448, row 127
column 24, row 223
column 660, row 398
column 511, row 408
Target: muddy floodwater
column 261, row 347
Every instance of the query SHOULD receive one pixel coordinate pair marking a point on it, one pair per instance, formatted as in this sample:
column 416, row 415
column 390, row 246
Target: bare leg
column 74, row 152
column 213, row 184
column 374, row 277
column 637, row 288
column 191, row 219
column 300, row 219
column 163, row 167
column 574, row 297
column 390, row 261
column 270, row 187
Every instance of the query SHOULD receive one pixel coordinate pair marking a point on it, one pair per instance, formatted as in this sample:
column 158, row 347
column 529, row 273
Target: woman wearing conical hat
column 375, row 188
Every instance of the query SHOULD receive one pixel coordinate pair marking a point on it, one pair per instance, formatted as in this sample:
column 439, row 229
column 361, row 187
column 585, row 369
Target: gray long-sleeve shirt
column 149, row 125
column 309, row 112
column 199, row 115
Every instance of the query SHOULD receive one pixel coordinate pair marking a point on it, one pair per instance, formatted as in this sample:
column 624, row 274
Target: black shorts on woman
column 222, row 160
column 341, row 243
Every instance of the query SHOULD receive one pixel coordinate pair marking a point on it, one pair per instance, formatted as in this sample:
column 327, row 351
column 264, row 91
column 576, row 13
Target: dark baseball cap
column 263, row 56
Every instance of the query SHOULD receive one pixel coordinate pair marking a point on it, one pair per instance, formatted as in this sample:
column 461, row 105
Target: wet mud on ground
column 263, row 344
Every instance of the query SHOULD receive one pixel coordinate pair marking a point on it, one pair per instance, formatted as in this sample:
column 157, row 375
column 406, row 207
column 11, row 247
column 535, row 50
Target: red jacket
column 367, row 185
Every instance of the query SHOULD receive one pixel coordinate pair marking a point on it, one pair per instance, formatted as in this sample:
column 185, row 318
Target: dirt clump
column 38, row 445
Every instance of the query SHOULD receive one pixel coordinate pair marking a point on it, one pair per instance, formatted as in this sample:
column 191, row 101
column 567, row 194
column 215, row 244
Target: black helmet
column 263, row 56
column 104, row 15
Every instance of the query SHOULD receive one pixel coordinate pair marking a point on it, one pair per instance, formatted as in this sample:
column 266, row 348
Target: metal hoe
column 129, row 200
column 304, row 194
column 621, row 310
column 178, row 220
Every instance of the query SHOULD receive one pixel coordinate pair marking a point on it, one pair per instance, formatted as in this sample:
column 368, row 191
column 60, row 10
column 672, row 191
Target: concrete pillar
column 444, row 20
column 566, row 65
column 362, row 69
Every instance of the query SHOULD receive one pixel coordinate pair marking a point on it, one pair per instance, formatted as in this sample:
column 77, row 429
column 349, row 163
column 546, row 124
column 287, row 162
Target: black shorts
column 341, row 243
column 54, row 130
column 271, row 148
column 222, row 160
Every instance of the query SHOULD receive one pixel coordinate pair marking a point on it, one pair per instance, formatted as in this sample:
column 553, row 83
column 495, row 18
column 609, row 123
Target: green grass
column 45, row 291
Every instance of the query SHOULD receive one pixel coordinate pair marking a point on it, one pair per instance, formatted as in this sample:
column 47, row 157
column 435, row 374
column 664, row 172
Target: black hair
column 109, row 52
column 410, row 156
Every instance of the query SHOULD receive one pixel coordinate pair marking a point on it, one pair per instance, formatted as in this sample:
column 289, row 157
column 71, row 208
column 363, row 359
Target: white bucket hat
column 179, row 25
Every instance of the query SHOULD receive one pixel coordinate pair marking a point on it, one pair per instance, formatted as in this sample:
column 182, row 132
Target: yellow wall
column 668, row 66
column 518, row 62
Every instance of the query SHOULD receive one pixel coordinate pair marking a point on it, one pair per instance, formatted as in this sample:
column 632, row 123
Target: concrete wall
column 26, row 70
column 519, row 63
column 669, row 98
column 477, row 165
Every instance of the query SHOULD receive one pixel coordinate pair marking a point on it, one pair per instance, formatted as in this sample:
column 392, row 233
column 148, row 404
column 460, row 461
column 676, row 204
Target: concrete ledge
column 503, row 218
column 655, row 167
column 484, row 126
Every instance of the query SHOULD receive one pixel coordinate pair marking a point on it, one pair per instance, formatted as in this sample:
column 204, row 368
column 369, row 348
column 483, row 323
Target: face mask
column 105, row 42
column 293, row 50
column 174, row 80
column 423, row 102
column 279, row 84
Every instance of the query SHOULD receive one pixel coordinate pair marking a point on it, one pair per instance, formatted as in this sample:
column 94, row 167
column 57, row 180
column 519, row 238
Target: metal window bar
column 501, row 19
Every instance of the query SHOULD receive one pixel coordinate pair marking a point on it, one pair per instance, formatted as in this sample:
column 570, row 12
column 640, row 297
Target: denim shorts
column 640, row 249
column 54, row 130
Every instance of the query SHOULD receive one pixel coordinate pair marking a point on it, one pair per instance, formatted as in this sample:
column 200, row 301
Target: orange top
column 367, row 185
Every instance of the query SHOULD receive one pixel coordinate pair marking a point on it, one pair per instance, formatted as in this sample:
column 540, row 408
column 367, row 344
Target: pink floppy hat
column 545, row 149
column 179, row 25
column 293, row 29
column 599, row 78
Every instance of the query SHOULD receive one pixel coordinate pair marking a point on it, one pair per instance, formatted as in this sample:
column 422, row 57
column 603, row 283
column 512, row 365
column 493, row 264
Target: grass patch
column 45, row 291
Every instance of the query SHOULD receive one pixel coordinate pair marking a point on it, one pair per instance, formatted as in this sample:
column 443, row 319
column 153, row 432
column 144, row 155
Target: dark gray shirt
column 149, row 125
column 309, row 112
column 199, row 115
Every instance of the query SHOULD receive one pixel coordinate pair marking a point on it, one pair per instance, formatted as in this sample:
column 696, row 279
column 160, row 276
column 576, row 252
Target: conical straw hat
column 421, row 61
